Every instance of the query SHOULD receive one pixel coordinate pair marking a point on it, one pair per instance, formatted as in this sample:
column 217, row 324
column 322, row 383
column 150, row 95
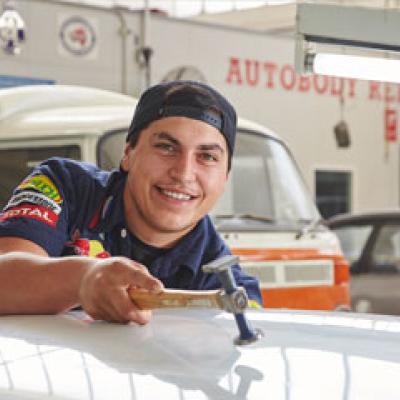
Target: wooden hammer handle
column 171, row 298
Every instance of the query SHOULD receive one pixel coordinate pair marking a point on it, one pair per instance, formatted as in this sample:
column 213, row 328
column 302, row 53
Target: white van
column 266, row 215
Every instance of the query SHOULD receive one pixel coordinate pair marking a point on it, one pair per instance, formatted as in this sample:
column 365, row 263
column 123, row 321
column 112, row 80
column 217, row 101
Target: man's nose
column 184, row 168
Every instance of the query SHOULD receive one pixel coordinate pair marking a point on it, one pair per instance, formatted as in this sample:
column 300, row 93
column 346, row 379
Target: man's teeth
column 177, row 196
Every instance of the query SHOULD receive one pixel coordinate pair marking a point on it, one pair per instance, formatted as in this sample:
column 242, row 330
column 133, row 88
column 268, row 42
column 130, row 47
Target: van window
column 17, row 163
column 110, row 148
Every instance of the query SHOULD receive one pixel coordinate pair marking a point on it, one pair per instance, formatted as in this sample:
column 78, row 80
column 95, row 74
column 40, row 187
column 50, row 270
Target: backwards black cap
column 185, row 99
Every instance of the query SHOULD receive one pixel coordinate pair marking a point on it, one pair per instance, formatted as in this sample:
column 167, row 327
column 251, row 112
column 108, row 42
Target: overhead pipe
column 124, row 32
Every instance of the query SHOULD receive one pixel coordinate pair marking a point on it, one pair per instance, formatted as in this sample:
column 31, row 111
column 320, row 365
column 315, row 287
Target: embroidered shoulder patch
column 32, row 197
column 91, row 248
column 39, row 213
column 42, row 184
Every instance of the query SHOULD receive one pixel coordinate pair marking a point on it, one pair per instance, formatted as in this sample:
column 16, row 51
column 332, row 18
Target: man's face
column 176, row 173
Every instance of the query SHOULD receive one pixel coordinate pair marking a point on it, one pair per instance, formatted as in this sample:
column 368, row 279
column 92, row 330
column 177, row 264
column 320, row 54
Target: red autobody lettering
column 268, row 74
column 287, row 77
column 374, row 90
column 390, row 96
column 321, row 83
column 337, row 87
column 270, row 69
column 234, row 75
column 252, row 72
column 304, row 84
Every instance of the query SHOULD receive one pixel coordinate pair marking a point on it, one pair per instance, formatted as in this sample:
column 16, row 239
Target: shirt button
column 101, row 236
column 123, row 233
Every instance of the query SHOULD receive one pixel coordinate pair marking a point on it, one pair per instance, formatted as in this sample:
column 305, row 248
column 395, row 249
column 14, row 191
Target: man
column 147, row 223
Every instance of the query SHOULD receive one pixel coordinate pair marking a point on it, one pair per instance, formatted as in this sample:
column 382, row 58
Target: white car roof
column 189, row 354
column 61, row 110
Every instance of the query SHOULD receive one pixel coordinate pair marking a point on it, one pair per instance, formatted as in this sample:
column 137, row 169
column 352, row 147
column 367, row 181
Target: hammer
column 222, row 267
column 231, row 298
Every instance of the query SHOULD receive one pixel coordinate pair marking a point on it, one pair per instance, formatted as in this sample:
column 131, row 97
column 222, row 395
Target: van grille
column 295, row 273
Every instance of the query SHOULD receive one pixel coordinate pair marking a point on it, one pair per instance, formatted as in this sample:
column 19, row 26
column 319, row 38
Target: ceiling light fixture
column 351, row 28
column 356, row 67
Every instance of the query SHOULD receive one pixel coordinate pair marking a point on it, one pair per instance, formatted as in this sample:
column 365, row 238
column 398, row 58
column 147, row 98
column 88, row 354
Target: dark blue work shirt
column 63, row 201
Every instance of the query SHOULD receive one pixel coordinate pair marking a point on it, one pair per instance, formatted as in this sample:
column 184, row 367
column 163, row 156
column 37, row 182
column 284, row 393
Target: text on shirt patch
column 31, row 211
column 43, row 184
column 28, row 196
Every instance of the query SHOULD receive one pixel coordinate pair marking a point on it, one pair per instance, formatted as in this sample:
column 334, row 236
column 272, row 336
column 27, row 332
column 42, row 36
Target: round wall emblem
column 77, row 35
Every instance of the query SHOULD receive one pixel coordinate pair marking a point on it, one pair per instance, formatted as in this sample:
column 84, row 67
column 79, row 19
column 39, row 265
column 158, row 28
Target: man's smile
column 176, row 195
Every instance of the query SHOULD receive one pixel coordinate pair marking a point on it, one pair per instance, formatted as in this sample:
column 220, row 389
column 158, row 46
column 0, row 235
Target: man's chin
column 173, row 226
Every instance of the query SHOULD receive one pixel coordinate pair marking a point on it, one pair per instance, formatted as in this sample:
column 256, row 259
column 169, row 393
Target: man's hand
column 103, row 292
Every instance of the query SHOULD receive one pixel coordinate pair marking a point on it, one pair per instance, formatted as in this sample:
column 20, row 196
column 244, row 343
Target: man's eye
column 209, row 157
column 167, row 147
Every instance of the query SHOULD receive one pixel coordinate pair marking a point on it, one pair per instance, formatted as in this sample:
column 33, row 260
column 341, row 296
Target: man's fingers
column 141, row 317
column 107, row 312
column 140, row 277
column 104, row 290
column 120, row 308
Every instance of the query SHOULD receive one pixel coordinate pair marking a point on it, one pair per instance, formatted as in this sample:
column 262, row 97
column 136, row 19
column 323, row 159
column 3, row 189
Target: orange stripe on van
column 249, row 254
column 305, row 298
column 342, row 274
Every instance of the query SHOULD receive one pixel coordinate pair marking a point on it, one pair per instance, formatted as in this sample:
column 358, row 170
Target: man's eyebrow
column 212, row 146
column 166, row 136
column 202, row 147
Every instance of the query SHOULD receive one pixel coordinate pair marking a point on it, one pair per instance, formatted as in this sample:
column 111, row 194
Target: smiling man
column 72, row 234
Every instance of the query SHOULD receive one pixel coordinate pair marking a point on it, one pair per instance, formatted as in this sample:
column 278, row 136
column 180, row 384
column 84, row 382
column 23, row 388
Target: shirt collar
column 188, row 252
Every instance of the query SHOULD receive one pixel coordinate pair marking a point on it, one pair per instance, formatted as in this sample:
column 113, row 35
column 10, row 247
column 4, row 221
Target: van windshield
column 264, row 186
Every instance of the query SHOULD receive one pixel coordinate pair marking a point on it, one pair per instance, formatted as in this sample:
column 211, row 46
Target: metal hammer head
column 222, row 267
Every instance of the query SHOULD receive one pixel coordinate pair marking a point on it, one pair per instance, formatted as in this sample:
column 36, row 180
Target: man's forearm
column 32, row 284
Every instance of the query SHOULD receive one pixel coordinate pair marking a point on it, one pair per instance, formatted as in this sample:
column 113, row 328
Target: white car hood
column 186, row 354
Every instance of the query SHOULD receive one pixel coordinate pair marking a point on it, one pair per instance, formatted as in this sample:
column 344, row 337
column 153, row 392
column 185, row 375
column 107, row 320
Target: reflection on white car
column 186, row 354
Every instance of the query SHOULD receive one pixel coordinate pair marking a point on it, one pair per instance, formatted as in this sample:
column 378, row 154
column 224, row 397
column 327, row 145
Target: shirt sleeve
column 38, row 208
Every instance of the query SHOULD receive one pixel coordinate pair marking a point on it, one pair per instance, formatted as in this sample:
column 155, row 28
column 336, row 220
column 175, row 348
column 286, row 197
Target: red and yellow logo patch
column 91, row 248
column 42, row 184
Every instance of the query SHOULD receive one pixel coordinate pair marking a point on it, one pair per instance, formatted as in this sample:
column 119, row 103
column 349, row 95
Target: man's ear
column 125, row 157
